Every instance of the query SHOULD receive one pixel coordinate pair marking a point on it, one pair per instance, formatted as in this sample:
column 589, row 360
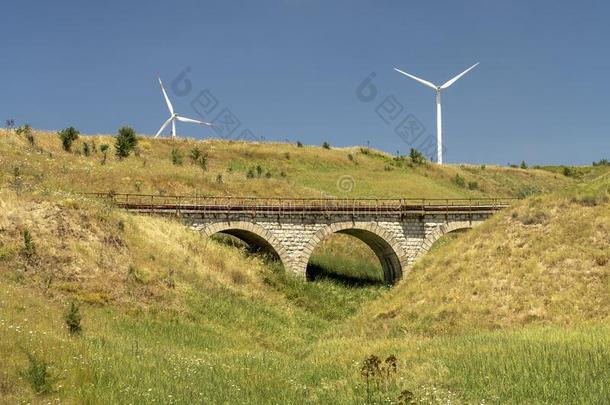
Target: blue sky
column 291, row 69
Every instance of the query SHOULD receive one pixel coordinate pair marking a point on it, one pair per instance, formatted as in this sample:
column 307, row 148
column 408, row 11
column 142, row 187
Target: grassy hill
column 511, row 312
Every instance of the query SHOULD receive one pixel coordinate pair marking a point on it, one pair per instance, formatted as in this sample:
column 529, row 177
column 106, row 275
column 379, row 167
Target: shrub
column 326, row 145
column 68, row 136
column 259, row 170
column 86, row 150
column 199, row 158
column 282, row 174
column 417, row 157
column 250, row 174
column 483, row 167
column 268, row 175
column 350, row 157
column 104, row 150
column 602, row 162
column 29, row 247
column 38, row 375
column 125, row 142
column 299, row 144
column 473, row 185
column 73, row 318
column 9, row 124
column 523, row 164
column 526, row 191
column 176, row 157
column 219, row 179
column 568, row 171
column 459, row 180
column 287, row 155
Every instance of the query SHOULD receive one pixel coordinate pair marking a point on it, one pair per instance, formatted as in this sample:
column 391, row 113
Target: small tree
column 104, row 150
column 326, row 145
column 125, row 142
column 195, row 155
column 259, row 171
column 299, row 144
column 68, row 136
column 73, row 318
column 176, row 157
column 417, row 157
column 29, row 247
column 219, row 178
column 523, row 164
column 86, row 149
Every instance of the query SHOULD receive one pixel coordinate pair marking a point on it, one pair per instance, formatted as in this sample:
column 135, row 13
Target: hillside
column 169, row 316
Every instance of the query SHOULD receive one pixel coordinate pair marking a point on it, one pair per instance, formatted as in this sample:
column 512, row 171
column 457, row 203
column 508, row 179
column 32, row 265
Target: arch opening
column 257, row 239
column 381, row 244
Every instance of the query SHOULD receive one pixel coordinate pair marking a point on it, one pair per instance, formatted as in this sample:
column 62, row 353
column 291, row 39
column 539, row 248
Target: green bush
column 68, row 136
column 326, row 145
column 459, row 180
column 250, row 174
column 125, row 142
column 199, row 158
column 176, row 157
column 86, row 149
column 568, row 171
column 73, row 318
column 473, row 185
column 29, row 247
column 523, row 164
column 417, row 157
column 38, row 375
column 299, row 144
column 104, row 150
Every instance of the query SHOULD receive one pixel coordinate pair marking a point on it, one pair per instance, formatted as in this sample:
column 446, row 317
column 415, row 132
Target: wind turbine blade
column 184, row 119
column 455, row 79
column 169, row 104
column 422, row 81
column 165, row 124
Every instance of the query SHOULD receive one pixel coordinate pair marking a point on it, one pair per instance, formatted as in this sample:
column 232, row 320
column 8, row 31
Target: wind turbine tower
column 439, row 123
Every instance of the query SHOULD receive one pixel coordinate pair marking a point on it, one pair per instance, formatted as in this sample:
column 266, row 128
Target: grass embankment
column 171, row 317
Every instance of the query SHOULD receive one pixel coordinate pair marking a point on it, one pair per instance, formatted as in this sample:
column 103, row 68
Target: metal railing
column 200, row 203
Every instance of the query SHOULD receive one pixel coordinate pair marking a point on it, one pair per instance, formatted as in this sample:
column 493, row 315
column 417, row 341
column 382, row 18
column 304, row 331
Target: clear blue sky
column 290, row 69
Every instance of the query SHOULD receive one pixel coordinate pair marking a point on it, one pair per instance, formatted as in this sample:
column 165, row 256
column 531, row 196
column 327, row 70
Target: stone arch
column 390, row 253
column 254, row 235
column 441, row 230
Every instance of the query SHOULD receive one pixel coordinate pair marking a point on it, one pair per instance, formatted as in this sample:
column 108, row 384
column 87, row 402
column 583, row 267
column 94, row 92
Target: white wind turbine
column 438, row 89
column 175, row 117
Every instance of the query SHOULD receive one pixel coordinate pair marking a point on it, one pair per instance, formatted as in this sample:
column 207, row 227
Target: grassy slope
column 236, row 329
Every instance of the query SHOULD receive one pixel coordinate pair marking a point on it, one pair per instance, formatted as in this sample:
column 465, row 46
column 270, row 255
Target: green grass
column 514, row 311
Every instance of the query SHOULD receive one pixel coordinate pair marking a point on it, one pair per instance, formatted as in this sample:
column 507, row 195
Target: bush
column 473, row 185
column 417, row 157
column 459, row 180
column 299, row 144
column 526, row 191
column 86, row 149
column 268, row 175
column 219, row 179
column 104, row 150
column 29, row 247
column 38, row 375
column 68, row 136
column 199, row 158
column 176, row 157
column 523, row 164
column 326, row 145
column 602, row 162
column 250, row 174
column 125, row 142
column 259, row 170
column 73, row 318
column 568, row 171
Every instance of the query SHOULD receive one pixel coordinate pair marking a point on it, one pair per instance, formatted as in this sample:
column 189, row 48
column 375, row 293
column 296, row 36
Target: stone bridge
column 397, row 230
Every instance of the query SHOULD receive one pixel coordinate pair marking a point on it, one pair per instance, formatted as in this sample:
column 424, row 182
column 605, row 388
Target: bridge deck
column 192, row 205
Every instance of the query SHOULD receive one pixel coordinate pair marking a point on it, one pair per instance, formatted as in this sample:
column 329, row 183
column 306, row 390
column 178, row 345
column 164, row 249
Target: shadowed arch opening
column 386, row 249
column 256, row 237
column 444, row 229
